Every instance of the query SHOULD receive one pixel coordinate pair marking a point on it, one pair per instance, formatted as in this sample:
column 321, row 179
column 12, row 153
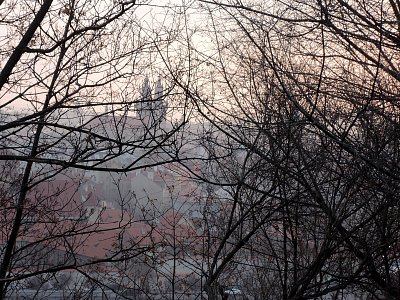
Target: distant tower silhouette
column 152, row 109
column 159, row 89
column 159, row 104
column 143, row 106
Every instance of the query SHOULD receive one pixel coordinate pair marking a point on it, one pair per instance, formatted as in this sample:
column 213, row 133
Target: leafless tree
column 300, row 101
column 75, row 102
column 292, row 152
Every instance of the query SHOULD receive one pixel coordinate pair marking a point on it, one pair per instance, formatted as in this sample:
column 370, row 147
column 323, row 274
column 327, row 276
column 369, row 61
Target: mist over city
column 200, row 149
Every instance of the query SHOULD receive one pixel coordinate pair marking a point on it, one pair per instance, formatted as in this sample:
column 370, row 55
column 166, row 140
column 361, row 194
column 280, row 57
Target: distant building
column 151, row 107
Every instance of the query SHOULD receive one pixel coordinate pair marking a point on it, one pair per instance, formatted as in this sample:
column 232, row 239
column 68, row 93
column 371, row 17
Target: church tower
column 159, row 104
column 143, row 106
column 152, row 108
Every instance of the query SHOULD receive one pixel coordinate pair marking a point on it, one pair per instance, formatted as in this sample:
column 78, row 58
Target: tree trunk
column 213, row 291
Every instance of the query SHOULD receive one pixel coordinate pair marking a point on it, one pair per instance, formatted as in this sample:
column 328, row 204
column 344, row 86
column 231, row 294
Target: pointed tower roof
column 146, row 90
column 159, row 89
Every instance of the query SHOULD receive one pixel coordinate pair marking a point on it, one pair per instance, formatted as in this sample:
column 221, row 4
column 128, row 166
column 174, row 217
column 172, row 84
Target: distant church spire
column 159, row 90
column 146, row 90
column 144, row 104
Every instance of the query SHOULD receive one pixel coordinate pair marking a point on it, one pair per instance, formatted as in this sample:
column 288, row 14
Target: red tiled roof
column 56, row 197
